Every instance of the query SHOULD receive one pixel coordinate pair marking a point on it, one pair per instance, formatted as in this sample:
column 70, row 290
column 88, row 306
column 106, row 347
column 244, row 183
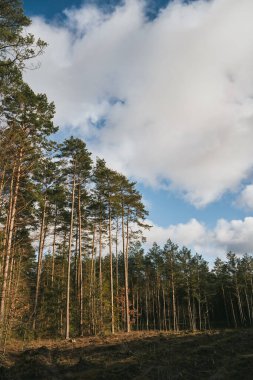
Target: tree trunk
column 147, row 309
column 175, row 325
column 53, row 251
column 100, row 277
column 2, row 187
column 111, row 270
column 11, row 220
column 117, row 273
column 164, row 311
column 225, row 304
column 126, row 276
column 80, row 262
column 69, row 259
column 92, row 284
column 233, row 311
column 39, row 266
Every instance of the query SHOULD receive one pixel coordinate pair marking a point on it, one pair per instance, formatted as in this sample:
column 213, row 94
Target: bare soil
column 212, row 355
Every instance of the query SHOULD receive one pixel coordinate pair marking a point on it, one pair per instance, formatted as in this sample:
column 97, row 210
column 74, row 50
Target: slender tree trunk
column 39, row 266
column 199, row 312
column 247, row 303
column 13, row 303
column 154, row 315
column 117, row 273
column 10, row 288
column 158, row 304
column 175, row 325
column 80, row 264
column 233, row 311
column 168, row 307
column 11, row 221
column 111, row 270
column 164, row 310
column 137, row 309
column 62, row 283
column 76, row 261
column 126, row 277
column 147, row 309
column 242, row 318
column 69, row 260
column 189, row 307
column 100, row 275
column 53, row 250
column 92, row 284
column 193, row 314
column 207, row 315
column 94, row 304
column 9, row 214
column 2, row 184
column 199, row 304
column 225, row 304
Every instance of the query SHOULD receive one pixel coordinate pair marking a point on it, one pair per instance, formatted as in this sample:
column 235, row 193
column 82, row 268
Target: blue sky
column 180, row 122
column 53, row 8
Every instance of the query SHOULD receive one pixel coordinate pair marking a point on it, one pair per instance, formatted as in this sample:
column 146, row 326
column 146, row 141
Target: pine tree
column 77, row 170
column 15, row 46
column 28, row 124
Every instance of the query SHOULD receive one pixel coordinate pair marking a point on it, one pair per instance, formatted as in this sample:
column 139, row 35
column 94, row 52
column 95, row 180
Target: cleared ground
column 139, row 355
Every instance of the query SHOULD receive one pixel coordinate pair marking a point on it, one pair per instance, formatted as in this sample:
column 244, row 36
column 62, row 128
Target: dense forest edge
column 72, row 262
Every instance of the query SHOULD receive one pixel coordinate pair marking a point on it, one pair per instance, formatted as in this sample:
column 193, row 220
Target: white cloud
column 234, row 235
column 190, row 233
column 245, row 199
column 185, row 81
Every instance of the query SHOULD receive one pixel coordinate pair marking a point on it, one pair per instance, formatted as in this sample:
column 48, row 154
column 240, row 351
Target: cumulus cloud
column 168, row 101
column 234, row 235
column 245, row 199
column 188, row 234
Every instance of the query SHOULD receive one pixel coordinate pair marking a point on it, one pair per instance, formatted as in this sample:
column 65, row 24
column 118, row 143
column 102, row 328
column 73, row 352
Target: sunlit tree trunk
column 126, row 275
column 100, row 277
column 80, row 262
column 69, row 259
column 39, row 265
column 92, row 283
column 174, row 308
column 53, row 249
column 2, row 183
column 117, row 273
column 10, row 229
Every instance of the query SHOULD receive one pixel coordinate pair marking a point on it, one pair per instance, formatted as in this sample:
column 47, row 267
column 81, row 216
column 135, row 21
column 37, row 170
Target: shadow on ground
column 159, row 356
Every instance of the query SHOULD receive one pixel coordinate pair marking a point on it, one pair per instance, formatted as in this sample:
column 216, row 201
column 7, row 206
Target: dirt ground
column 139, row 355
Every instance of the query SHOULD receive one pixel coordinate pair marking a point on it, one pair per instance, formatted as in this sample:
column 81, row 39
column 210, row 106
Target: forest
column 72, row 231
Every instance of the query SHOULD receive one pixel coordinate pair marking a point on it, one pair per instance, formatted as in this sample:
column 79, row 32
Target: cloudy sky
column 163, row 90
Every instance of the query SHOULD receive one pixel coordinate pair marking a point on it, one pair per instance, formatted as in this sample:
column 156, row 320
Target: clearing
column 226, row 354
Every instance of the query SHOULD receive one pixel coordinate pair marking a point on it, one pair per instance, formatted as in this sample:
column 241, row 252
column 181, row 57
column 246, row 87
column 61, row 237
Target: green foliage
column 16, row 47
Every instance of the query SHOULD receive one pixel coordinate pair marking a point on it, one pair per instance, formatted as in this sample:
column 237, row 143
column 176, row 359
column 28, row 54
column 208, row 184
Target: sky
column 163, row 90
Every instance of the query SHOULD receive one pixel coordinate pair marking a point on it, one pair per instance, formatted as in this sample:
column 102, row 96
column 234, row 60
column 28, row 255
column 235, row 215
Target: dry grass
column 138, row 355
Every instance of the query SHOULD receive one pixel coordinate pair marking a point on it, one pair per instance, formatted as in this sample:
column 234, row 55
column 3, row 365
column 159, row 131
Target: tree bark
column 69, row 259
column 111, row 271
column 11, row 221
column 80, row 263
column 39, row 266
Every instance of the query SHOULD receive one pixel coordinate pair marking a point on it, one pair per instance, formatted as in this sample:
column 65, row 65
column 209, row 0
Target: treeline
column 172, row 289
column 71, row 256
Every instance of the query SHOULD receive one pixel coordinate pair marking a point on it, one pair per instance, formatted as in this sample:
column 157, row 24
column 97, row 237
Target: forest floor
column 226, row 354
